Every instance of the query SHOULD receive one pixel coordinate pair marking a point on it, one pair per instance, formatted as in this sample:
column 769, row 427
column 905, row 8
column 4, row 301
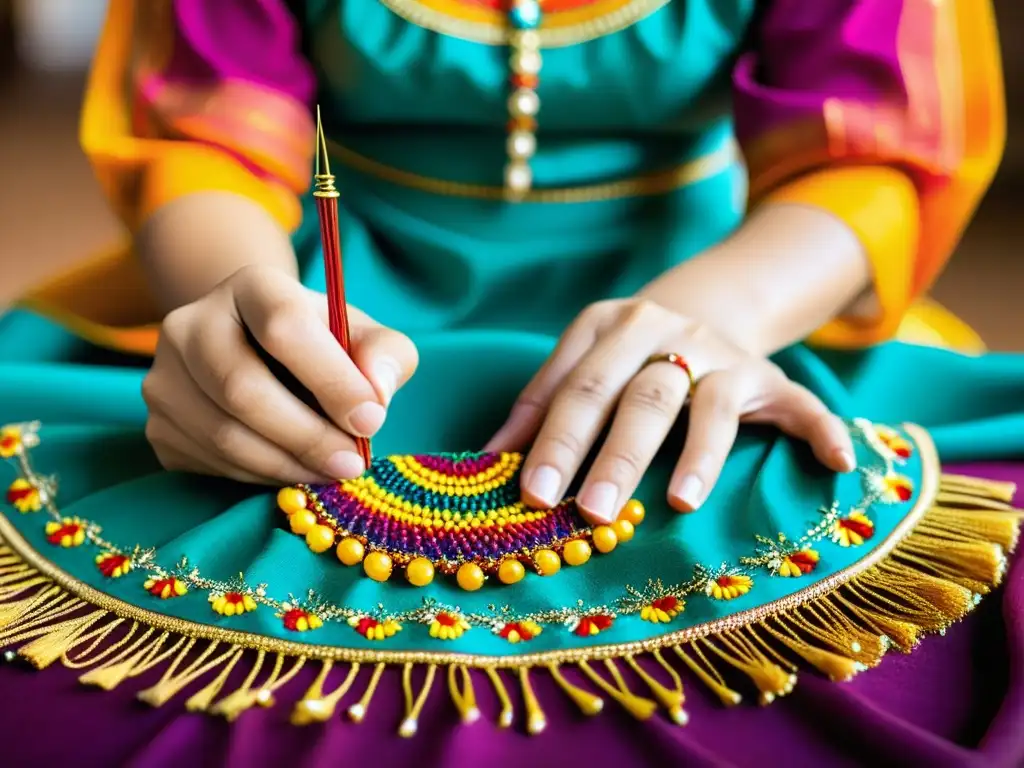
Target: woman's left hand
column 597, row 374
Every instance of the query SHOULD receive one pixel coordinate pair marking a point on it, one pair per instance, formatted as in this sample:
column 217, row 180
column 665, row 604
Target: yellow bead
column 548, row 563
column 605, row 538
column 576, row 552
column 419, row 572
column 633, row 512
column 377, row 566
column 320, row 538
column 291, row 500
column 624, row 530
column 510, row 571
column 350, row 551
column 301, row 522
column 470, row 577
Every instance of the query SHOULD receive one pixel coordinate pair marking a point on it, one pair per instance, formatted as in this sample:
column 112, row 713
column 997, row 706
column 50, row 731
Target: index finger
column 285, row 321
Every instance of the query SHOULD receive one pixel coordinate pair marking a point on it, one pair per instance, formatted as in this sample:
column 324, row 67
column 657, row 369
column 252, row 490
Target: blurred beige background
column 51, row 212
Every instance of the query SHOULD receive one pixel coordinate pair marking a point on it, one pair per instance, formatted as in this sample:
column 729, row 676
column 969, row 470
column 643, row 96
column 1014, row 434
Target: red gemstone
column 521, row 80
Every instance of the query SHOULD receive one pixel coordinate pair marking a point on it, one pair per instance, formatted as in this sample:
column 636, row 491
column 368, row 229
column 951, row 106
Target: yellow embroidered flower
column 799, row 563
column 232, row 603
column 113, row 565
column 299, row 619
column 896, row 444
column 165, row 588
column 853, row 530
column 447, row 626
column 891, row 488
column 24, row 496
column 10, row 442
column 372, row 629
column 729, row 586
column 662, row 610
column 519, row 631
column 69, row 532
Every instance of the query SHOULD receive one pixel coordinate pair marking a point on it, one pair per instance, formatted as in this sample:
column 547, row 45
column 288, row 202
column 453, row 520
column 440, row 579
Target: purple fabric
column 958, row 700
column 256, row 41
column 806, row 53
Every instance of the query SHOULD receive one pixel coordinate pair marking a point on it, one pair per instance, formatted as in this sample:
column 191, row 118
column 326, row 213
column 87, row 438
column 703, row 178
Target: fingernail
column 367, row 418
column 544, row 483
column 690, row 491
column 845, row 460
column 601, row 501
column 386, row 373
column 345, row 465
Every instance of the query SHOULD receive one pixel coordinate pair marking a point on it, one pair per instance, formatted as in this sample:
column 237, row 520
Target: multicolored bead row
column 457, row 514
column 523, row 101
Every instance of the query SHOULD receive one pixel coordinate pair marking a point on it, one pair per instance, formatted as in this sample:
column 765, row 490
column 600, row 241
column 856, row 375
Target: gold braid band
column 679, row 362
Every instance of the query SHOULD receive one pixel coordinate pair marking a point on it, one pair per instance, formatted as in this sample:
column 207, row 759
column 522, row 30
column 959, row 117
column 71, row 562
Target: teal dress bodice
column 648, row 98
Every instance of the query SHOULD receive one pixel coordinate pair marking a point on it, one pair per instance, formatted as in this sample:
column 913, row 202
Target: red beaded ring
column 677, row 360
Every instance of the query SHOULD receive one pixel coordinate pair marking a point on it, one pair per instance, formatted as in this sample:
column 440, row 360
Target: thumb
column 386, row 357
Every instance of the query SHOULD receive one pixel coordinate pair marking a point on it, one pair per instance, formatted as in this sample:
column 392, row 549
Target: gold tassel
column 29, row 607
column 46, row 649
column 243, row 697
column 112, row 673
column 315, row 707
column 413, row 707
column 904, row 634
column 998, row 527
column 978, row 487
column 171, row 682
column 588, row 703
column 981, row 560
column 507, row 713
column 464, row 699
column 671, row 699
column 357, row 711
column 708, row 675
column 536, row 720
column 637, row 706
column 769, row 678
column 85, row 658
column 202, row 700
column 837, row 668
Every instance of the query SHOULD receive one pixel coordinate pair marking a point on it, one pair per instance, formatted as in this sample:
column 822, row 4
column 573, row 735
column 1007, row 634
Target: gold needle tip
column 323, row 165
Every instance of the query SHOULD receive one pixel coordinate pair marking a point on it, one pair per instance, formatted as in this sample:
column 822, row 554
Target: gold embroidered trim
column 645, row 185
column 926, row 497
column 491, row 27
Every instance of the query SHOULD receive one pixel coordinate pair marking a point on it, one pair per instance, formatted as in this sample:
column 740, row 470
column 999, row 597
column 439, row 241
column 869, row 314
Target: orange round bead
column 302, row 522
column 350, row 551
column 624, row 530
column 377, row 566
column 605, row 539
column 470, row 577
column 633, row 512
column 576, row 552
column 291, row 500
column 320, row 538
column 548, row 563
column 419, row 572
column 510, row 571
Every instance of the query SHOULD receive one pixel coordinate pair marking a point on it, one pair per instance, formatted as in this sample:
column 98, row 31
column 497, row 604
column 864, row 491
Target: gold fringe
column 413, row 706
column 464, row 698
column 315, row 707
column 931, row 578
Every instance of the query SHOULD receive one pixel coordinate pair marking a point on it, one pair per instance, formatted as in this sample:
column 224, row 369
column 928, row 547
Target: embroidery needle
column 326, row 195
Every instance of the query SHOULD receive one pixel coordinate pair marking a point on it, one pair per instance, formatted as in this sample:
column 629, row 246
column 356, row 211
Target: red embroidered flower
column 113, row 565
column 10, row 442
column 299, row 620
column 373, row 629
column 729, row 586
column 892, row 488
column 895, row 442
column 591, row 625
column 232, row 603
column 853, row 530
column 69, row 532
column 166, row 587
column 662, row 610
column 447, row 626
column 519, row 631
column 799, row 563
column 24, row 496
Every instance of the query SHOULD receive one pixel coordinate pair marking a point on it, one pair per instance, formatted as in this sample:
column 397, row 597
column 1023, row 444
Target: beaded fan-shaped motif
column 458, row 514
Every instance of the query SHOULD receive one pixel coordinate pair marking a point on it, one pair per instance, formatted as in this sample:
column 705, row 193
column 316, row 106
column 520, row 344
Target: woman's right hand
column 215, row 407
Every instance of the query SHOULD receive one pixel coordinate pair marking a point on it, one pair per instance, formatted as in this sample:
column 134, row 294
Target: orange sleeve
column 905, row 178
